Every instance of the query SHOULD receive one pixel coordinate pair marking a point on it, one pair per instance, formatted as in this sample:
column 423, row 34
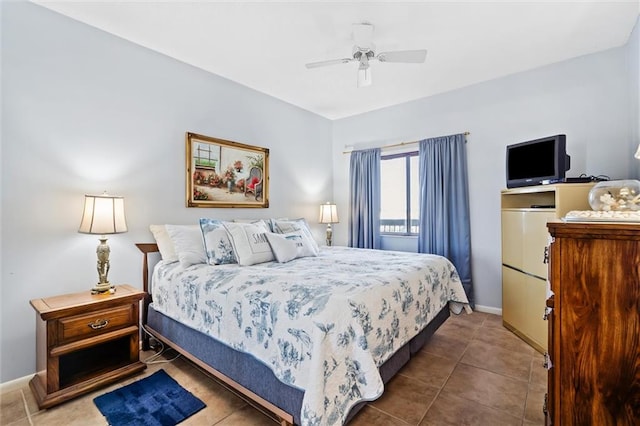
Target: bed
column 311, row 340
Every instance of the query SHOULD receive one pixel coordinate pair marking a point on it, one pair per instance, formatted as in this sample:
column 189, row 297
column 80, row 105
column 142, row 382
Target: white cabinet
column 525, row 213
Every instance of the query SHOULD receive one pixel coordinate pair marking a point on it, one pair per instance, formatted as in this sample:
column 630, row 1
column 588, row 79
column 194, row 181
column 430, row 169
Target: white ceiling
column 265, row 45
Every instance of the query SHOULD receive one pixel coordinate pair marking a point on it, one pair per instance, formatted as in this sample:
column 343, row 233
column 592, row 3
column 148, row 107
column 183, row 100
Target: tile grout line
column 473, row 338
column 438, row 393
column 526, row 396
column 458, row 361
column 524, row 409
column 389, row 414
column 26, row 407
column 528, row 381
column 529, row 387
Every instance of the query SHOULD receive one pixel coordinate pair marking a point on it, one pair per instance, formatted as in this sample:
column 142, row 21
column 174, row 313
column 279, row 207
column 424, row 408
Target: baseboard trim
column 489, row 310
column 19, row 383
column 529, row 341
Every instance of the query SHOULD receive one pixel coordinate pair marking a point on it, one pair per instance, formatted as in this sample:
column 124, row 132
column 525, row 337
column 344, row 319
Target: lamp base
column 103, row 288
column 102, row 251
column 329, row 235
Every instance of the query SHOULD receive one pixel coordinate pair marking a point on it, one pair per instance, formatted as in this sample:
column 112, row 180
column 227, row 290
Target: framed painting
column 223, row 173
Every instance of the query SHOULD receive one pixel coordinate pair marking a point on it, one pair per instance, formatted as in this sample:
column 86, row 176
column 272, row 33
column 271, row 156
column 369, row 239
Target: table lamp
column 328, row 215
column 103, row 215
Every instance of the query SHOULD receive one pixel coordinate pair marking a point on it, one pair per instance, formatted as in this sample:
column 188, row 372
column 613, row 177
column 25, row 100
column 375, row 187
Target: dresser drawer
column 94, row 323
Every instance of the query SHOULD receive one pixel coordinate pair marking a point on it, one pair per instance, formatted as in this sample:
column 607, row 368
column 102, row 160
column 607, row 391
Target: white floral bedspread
column 322, row 324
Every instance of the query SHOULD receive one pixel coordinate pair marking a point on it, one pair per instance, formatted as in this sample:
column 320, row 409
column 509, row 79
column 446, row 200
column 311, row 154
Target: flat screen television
column 537, row 162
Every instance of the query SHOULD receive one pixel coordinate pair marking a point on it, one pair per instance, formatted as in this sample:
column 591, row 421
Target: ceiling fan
column 364, row 52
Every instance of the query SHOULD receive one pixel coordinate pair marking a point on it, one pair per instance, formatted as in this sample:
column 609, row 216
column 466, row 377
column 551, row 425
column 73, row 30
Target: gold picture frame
column 222, row 173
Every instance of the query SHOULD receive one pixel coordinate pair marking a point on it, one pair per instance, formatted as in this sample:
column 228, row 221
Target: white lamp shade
column 328, row 213
column 103, row 214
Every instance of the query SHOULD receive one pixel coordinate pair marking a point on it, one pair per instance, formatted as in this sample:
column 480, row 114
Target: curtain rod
column 397, row 144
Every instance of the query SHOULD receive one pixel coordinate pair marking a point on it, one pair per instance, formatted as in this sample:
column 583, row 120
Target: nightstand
column 85, row 341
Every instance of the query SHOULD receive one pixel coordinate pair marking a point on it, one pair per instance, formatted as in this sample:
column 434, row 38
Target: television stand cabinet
column 525, row 213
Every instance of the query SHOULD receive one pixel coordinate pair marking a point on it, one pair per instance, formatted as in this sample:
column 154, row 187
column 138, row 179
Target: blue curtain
column 364, row 204
column 444, row 204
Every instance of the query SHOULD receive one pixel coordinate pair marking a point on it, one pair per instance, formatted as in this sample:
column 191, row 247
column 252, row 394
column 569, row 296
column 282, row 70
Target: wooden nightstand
column 85, row 341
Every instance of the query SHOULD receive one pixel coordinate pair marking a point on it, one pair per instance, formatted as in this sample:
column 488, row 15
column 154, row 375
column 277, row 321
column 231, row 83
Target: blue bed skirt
column 254, row 375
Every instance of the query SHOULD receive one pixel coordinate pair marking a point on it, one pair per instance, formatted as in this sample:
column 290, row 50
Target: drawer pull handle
column 551, row 302
column 547, row 361
column 99, row 323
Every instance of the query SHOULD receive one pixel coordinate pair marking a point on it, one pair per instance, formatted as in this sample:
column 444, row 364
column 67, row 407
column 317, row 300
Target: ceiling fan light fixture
column 363, row 52
column 364, row 62
column 364, row 76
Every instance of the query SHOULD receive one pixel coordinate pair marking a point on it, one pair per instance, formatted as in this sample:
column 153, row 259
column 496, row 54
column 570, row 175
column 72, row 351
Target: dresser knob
column 99, row 323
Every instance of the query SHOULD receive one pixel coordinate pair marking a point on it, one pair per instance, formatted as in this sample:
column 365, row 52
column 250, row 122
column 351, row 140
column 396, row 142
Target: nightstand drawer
column 94, row 323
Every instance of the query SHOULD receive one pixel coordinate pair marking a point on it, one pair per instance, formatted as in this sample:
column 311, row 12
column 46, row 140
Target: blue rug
column 157, row 400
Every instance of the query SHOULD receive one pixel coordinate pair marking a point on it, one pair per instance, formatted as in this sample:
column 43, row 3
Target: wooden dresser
column 84, row 341
column 594, row 325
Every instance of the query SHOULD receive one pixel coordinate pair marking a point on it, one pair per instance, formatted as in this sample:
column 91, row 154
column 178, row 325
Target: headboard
column 146, row 248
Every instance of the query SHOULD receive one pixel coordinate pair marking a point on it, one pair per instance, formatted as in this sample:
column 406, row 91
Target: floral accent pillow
column 217, row 245
column 290, row 246
column 285, row 226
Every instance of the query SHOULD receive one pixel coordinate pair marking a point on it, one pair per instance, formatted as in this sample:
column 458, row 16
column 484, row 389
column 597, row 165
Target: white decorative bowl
column 615, row 195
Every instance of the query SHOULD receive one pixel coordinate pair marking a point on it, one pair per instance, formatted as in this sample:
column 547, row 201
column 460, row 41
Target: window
column 206, row 157
column 400, row 193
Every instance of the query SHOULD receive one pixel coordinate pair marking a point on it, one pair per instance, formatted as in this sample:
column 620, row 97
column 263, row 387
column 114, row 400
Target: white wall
column 84, row 111
column 587, row 99
column 633, row 49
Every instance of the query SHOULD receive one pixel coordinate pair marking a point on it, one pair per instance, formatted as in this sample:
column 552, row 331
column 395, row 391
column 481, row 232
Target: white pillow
column 290, row 246
column 265, row 221
column 187, row 240
column 249, row 241
column 165, row 245
column 285, row 226
column 217, row 245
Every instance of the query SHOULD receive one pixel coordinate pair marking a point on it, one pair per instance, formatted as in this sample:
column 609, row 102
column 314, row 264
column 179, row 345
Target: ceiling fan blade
column 329, row 62
column 410, row 56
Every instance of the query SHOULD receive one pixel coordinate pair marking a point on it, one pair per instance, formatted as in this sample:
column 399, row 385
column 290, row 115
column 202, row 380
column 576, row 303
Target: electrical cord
column 598, row 178
column 152, row 359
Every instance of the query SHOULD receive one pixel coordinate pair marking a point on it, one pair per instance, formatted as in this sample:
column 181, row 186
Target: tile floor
column 472, row 372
